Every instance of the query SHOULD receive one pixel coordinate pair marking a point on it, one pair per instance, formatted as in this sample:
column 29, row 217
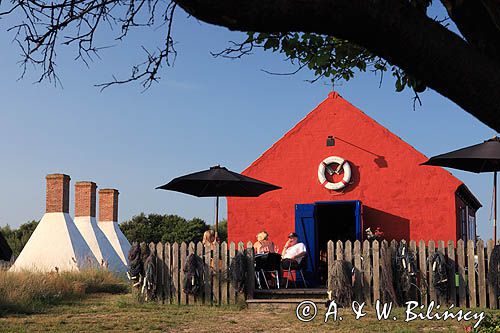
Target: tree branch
column 392, row 29
column 479, row 26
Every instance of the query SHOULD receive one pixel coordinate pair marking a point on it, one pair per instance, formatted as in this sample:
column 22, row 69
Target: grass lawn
column 121, row 313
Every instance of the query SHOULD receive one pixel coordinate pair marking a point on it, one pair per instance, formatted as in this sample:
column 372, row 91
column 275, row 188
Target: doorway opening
column 336, row 221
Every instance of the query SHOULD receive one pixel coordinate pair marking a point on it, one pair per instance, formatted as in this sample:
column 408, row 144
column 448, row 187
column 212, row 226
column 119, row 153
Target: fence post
column 491, row 287
column 471, row 273
column 481, row 278
column 224, row 270
column 358, row 291
column 190, row 249
column 175, row 274
column 167, row 273
column 232, row 290
column 160, row 273
column 442, row 299
column 424, row 281
column 339, row 251
column 183, row 252
column 348, row 255
column 452, row 290
column 376, row 270
column 367, row 273
column 251, row 271
column 414, row 289
column 431, row 248
column 217, row 274
column 462, row 280
column 241, row 249
column 208, row 274
column 348, row 252
column 393, row 248
column 331, row 259
column 198, row 299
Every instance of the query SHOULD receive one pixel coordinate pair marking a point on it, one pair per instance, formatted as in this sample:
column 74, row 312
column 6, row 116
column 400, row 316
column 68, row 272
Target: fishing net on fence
column 193, row 274
column 405, row 272
column 135, row 268
column 341, row 283
column 238, row 271
column 439, row 271
column 494, row 270
column 387, row 292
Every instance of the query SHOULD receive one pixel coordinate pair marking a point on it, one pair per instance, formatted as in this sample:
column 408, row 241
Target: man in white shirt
column 293, row 252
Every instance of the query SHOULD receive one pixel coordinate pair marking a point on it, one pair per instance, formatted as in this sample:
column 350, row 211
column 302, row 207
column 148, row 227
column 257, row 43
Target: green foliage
column 163, row 228
column 222, row 232
column 326, row 56
column 490, row 324
column 17, row 238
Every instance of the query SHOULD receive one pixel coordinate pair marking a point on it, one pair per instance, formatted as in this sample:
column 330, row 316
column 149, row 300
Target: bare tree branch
column 43, row 24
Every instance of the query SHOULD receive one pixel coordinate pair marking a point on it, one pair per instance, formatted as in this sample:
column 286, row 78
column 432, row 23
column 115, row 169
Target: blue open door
column 305, row 227
column 359, row 221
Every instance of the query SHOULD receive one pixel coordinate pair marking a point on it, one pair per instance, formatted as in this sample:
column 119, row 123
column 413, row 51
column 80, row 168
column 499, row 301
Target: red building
column 387, row 187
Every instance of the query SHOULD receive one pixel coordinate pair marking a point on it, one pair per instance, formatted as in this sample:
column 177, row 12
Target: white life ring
column 342, row 164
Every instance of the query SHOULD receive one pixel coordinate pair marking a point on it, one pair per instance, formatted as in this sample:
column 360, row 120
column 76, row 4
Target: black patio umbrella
column 483, row 157
column 5, row 251
column 218, row 182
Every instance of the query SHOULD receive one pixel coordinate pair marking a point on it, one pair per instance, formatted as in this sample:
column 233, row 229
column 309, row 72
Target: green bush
column 489, row 324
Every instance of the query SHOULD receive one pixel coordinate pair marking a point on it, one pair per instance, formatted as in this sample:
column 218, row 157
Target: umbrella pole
column 216, row 217
column 495, row 208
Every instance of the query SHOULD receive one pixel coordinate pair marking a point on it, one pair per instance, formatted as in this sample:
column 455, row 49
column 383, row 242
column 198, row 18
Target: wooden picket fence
column 473, row 290
column 217, row 289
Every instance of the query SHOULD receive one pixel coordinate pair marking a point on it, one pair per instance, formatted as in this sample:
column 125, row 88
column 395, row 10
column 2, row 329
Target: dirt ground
column 121, row 313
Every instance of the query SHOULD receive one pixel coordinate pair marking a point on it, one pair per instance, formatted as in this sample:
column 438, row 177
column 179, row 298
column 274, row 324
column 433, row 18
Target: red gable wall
column 405, row 199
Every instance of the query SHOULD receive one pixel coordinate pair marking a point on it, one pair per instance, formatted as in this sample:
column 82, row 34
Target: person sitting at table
column 209, row 239
column 263, row 244
column 293, row 252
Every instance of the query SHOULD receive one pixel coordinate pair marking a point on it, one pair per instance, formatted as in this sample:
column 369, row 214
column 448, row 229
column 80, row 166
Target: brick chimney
column 57, row 193
column 108, row 205
column 85, row 199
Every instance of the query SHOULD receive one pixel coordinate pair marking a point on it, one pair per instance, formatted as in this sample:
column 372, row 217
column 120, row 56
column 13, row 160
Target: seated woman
column 293, row 252
column 209, row 239
column 263, row 245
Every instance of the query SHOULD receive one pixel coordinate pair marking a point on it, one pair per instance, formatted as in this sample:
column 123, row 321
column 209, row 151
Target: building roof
column 334, row 97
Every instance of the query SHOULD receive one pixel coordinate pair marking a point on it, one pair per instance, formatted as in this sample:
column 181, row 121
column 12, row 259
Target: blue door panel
column 305, row 227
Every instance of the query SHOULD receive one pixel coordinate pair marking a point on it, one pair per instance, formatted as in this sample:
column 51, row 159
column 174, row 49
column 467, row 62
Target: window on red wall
column 472, row 227
column 463, row 224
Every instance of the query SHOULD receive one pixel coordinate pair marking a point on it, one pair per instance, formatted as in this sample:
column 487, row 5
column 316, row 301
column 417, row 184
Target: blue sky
column 204, row 111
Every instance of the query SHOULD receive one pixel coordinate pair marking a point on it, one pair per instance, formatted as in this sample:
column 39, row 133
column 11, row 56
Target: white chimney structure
column 108, row 222
column 85, row 221
column 56, row 244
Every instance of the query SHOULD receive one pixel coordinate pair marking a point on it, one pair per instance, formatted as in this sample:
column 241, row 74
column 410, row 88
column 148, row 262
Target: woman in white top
column 293, row 252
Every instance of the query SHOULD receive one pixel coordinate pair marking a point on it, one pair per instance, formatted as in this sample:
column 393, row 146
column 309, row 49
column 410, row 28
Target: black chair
column 302, row 266
column 267, row 263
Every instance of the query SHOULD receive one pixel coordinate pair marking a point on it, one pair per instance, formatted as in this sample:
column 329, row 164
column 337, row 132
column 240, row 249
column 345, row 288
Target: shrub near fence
column 463, row 289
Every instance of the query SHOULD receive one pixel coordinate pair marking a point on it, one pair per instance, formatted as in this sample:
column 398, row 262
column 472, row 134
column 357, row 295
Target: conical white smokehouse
column 108, row 222
column 56, row 244
column 85, row 221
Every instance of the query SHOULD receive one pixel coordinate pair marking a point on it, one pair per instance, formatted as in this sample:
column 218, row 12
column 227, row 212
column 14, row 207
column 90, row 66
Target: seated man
column 293, row 252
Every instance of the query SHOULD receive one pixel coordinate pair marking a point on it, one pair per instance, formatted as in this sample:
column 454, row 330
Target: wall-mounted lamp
column 330, row 141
